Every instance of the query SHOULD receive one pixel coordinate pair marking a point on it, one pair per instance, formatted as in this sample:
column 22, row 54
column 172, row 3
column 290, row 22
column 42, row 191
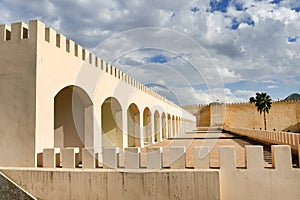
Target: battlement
column 37, row 32
column 238, row 103
column 132, row 158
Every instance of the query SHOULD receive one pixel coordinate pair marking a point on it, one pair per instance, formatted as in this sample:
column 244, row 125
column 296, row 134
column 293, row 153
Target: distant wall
column 202, row 113
column 283, row 116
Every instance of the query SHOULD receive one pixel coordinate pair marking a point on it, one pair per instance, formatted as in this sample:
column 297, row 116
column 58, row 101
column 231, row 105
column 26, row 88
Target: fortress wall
column 36, row 63
column 17, row 94
column 283, row 115
column 98, row 81
column 204, row 116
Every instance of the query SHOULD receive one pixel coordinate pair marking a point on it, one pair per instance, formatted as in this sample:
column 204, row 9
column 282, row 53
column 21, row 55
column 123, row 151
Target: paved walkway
column 207, row 139
column 213, row 139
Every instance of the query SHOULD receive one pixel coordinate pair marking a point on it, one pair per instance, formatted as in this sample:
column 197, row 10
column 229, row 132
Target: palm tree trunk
column 265, row 120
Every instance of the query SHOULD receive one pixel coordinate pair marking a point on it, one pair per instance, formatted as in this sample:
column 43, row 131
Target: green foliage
column 263, row 102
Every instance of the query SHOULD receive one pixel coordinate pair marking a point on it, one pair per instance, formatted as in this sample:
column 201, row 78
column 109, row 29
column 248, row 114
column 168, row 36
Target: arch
column 169, row 126
column 157, row 126
column 133, row 125
column 71, row 106
column 176, row 126
column 147, row 126
column 163, row 126
column 111, row 123
column 173, row 132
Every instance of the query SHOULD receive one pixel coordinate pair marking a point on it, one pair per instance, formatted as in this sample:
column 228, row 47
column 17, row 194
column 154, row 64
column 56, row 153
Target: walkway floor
column 213, row 139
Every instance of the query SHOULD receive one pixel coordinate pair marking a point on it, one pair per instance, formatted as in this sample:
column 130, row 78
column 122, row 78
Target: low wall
column 257, row 182
column 270, row 137
column 281, row 181
column 109, row 184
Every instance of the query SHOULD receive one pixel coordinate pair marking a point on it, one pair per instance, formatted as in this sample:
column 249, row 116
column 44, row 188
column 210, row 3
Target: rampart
column 283, row 116
column 54, row 93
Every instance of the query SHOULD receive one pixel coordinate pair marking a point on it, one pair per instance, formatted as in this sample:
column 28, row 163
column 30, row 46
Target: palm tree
column 263, row 103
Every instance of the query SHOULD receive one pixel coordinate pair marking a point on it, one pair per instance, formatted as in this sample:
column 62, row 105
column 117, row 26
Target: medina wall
column 283, row 116
column 52, row 91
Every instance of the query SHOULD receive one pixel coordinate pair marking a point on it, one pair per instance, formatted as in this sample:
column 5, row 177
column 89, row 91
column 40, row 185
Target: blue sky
column 200, row 50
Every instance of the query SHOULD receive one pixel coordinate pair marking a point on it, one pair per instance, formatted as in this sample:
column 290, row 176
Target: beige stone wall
column 204, row 116
column 36, row 64
column 110, row 184
column 283, row 116
column 17, row 95
column 281, row 181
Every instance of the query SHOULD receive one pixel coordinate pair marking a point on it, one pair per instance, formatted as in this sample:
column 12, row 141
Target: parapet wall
column 154, row 182
column 270, row 137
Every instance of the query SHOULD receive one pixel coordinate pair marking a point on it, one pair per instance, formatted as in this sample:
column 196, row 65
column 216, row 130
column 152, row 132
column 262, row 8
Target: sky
column 192, row 52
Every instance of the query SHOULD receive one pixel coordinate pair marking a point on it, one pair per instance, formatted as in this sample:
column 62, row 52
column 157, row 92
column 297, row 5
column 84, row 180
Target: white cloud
column 209, row 53
column 272, row 86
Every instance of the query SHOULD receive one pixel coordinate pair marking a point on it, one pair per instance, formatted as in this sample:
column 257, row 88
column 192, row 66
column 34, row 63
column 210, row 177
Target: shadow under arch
column 147, row 126
column 71, row 107
column 157, row 126
column 112, row 123
column 163, row 125
column 133, row 125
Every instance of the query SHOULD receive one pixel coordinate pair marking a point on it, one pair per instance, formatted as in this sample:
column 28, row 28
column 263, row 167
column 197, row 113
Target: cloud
column 219, row 42
column 272, row 86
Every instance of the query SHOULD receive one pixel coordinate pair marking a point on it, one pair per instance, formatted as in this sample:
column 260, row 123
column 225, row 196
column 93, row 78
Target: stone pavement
column 212, row 139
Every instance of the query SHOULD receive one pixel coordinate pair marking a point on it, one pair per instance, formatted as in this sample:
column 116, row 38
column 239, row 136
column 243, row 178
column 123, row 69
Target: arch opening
column 111, row 123
column 169, row 126
column 163, row 126
column 133, row 124
column 147, row 135
column 72, row 108
column 157, row 126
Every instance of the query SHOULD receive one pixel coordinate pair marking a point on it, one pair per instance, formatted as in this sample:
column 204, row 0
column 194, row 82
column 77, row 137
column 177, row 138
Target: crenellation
column 227, row 157
column 91, row 59
column 281, row 158
column 61, row 41
column 5, row 33
column 84, row 53
column 254, row 158
column 89, row 158
column 70, row 157
column 50, row 36
column 79, row 51
column 71, row 49
column 96, row 61
column 19, row 30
